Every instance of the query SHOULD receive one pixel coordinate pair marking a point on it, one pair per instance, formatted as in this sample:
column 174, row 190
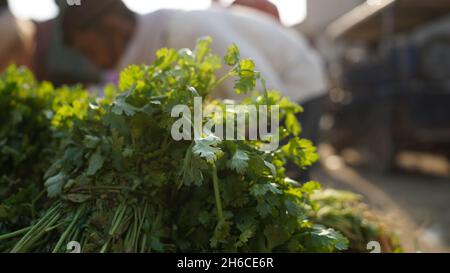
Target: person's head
column 261, row 5
column 99, row 29
column 3, row 4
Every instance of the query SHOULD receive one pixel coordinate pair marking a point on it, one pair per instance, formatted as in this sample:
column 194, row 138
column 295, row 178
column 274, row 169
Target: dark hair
column 3, row 4
column 90, row 14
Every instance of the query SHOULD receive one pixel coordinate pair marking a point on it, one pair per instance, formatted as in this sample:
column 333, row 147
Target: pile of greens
column 120, row 183
column 345, row 212
column 36, row 119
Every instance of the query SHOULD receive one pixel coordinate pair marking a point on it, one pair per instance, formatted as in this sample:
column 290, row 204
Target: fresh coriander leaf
column 247, row 77
column 239, row 161
column 91, row 141
column 300, row 151
column 233, row 56
column 120, row 106
column 55, row 184
column 262, row 189
column 203, row 48
column 327, row 239
column 95, row 163
column 207, row 149
column 130, row 76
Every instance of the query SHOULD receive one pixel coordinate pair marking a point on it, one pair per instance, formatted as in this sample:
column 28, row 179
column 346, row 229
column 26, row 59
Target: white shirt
column 284, row 58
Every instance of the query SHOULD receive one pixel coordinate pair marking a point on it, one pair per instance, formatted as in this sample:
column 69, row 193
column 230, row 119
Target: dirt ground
column 416, row 204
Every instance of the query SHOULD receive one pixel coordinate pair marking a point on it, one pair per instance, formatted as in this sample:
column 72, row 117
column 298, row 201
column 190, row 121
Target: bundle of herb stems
column 121, row 184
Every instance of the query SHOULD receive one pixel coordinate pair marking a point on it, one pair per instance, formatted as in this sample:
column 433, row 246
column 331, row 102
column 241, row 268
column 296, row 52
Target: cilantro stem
column 33, row 231
column 68, row 230
column 33, row 203
column 217, row 192
column 15, row 233
column 116, row 223
column 105, row 246
column 143, row 243
column 25, row 245
column 186, row 161
column 231, row 73
column 158, row 97
column 221, row 80
column 266, row 93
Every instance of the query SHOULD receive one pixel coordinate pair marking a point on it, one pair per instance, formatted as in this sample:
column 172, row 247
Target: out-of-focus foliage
column 345, row 212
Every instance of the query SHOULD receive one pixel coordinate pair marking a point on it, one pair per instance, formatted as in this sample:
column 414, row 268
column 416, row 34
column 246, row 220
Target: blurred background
column 385, row 130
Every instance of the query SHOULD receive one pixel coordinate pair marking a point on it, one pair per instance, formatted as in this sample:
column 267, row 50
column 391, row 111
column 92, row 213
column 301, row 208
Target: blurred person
column 16, row 43
column 59, row 63
column 113, row 37
column 40, row 47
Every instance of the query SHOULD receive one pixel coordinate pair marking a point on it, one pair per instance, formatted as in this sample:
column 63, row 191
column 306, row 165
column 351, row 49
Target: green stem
column 266, row 93
column 118, row 220
column 158, row 97
column 143, row 242
column 33, row 204
column 130, row 238
column 136, row 230
column 230, row 74
column 105, row 247
column 68, row 230
column 30, row 242
column 115, row 224
column 36, row 227
column 14, row 234
column 217, row 192
column 186, row 161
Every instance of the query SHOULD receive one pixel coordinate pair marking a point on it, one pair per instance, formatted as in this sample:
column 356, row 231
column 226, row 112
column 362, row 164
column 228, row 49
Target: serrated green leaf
column 95, row 163
column 301, row 152
column 239, row 161
column 327, row 239
column 120, row 106
column 247, row 77
column 203, row 48
column 262, row 189
column 207, row 149
column 55, row 184
column 91, row 141
column 130, row 76
column 233, row 55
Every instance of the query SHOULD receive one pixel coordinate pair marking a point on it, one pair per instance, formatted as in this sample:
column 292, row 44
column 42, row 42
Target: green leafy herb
column 120, row 183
